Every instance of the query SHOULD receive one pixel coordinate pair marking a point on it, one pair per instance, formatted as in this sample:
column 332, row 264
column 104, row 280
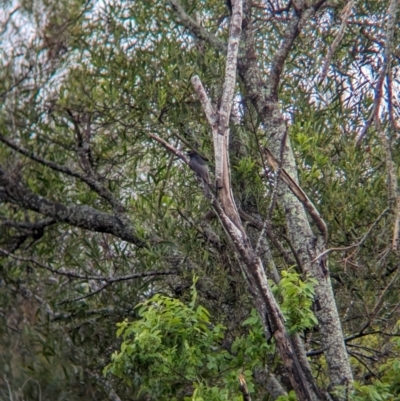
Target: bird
column 199, row 166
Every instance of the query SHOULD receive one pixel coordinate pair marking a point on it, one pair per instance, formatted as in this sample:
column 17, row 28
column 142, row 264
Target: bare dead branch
column 230, row 66
column 345, row 14
column 292, row 31
column 274, row 194
column 169, row 147
column 228, row 214
column 390, row 28
column 211, row 115
column 243, row 388
column 181, row 156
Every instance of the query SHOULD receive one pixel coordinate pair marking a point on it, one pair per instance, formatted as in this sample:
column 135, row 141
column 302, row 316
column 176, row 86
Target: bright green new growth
column 296, row 298
column 174, row 351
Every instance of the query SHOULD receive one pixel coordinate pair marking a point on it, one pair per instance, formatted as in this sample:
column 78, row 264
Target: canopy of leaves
column 99, row 223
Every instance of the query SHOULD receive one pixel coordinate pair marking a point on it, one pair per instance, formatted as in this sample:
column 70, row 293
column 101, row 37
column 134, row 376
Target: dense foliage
column 117, row 279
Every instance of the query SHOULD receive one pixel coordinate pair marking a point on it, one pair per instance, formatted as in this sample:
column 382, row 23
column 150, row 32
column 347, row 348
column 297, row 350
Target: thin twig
column 108, row 279
column 375, row 311
column 90, row 294
column 25, row 76
column 357, row 356
column 370, row 333
column 90, row 181
column 197, row 30
column 346, row 248
column 345, row 16
column 390, row 27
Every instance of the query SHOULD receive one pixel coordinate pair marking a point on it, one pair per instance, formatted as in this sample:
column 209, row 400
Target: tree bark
column 307, row 246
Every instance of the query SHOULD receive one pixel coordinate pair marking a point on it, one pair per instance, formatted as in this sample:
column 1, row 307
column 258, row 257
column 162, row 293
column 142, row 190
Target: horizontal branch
column 25, row 225
column 86, row 217
column 359, row 243
column 86, row 313
column 351, row 338
column 90, row 294
column 170, row 148
column 90, row 181
column 108, row 279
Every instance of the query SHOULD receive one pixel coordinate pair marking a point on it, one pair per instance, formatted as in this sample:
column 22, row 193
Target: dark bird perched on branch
column 199, row 166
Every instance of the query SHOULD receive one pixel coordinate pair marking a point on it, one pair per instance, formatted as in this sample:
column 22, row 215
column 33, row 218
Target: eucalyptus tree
column 292, row 105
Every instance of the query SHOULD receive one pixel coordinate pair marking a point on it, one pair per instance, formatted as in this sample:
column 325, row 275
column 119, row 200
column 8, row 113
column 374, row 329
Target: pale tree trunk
column 228, row 214
column 306, row 244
